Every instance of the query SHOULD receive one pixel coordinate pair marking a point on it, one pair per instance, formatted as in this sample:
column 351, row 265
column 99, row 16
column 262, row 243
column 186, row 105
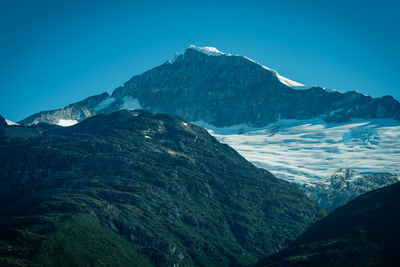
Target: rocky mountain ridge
column 74, row 112
column 345, row 185
column 224, row 90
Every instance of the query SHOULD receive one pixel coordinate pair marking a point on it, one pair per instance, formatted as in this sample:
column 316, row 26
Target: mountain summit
column 212, row 51
column 204, row 84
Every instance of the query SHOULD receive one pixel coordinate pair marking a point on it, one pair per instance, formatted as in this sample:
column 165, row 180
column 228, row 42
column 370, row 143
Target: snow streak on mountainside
column 305, row 152
column 10, row 122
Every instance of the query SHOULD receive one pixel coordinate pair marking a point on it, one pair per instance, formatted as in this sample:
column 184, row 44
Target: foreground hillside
column 134, row 188
column 364, row 232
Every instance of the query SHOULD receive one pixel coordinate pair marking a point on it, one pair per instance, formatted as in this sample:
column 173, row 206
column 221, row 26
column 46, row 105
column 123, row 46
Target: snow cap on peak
column 212, row 51
column 208, row 50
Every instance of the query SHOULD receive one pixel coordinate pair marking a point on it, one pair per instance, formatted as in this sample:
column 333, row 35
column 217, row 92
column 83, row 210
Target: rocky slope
column 3, row 123
column 225, row 90
column 345, row 185
column 364, row 232
column 74, row 112
column 135, row 188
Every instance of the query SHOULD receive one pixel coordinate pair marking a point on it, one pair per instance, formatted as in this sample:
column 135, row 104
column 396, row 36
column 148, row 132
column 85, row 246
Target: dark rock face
column 346, row 185
column 364, row 232
column 226, row 90
column 221, row 90
column 166, row 188
column 3, row 122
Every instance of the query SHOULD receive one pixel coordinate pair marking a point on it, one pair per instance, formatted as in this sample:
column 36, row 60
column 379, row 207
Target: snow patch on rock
column 287, row 81
column 130, row 103
column 172, row 60
column 208, row 50
column 10, row 123
column 105, row 103
column 66, row 123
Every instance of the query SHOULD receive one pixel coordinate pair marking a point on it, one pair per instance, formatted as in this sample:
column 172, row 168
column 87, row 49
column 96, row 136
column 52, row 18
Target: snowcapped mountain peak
column 212, row 51
column 208, row 50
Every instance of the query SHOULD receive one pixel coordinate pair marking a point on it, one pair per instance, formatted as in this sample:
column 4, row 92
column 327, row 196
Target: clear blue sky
column 53, row 53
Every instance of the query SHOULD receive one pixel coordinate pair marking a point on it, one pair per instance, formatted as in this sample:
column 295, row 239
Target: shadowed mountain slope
column 132, row 188
column 364, row 232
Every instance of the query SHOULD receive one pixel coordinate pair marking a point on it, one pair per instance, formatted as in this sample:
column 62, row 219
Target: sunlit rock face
column 204, row 84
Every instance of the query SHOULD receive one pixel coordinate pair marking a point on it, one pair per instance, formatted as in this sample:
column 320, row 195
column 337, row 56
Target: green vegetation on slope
column 77, row 241
column 82, row 241
column 166, row 187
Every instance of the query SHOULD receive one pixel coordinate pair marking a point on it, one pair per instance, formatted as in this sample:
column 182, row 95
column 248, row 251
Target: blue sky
column 53, row 53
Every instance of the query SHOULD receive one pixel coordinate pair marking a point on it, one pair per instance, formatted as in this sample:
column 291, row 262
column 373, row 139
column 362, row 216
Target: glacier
column 307, row 151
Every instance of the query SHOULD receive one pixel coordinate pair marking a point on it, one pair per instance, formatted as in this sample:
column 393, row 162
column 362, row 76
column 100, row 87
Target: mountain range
column 185, row 165
column 204, row 84
column 303, row 134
